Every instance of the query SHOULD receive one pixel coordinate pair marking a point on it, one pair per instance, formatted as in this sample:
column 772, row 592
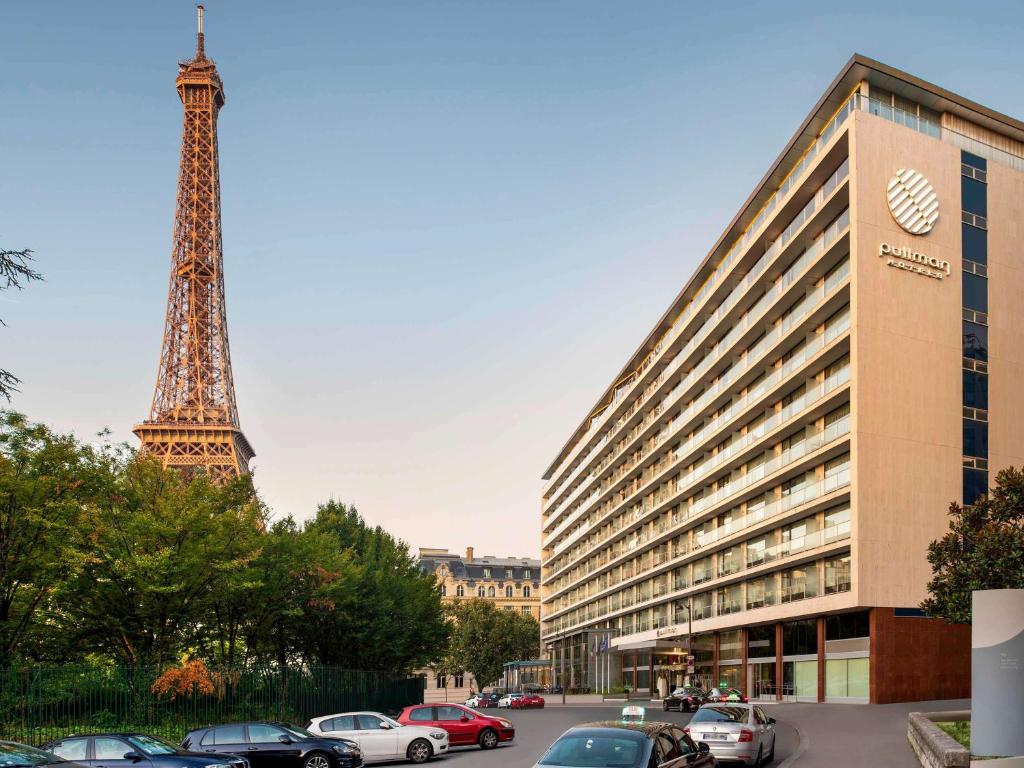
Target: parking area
column 536, row 729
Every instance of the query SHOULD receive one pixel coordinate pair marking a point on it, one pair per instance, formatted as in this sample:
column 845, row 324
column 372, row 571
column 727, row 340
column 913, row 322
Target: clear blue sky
column 446, row 224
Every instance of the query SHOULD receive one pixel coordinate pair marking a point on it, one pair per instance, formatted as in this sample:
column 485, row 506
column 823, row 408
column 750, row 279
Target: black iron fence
column 38, row 704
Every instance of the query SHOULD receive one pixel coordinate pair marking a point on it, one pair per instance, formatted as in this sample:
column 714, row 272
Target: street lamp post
column 689, row 636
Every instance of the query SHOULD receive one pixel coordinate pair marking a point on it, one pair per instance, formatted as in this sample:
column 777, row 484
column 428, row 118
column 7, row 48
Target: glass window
column 761, row 641
column 975, row 438
column 973, row 160
column 526, row 591
column 597, row 751
column 975, row 485
column 370, row 723
column 229, row 734
column 70, row 749
column 106, row 748
column 837, row 575
column 667, row 747
column 975, row 390
column 973, row 196
column 508, row 591
column 975, row 341
column 527, row 574
column 975, row 292
column 975, row 243
column 526, row 610
column 800, row 637
column 342, row 723
column 422, row 715
column 259, row 733
column 686, row 745
column 490, row 591
column 452, row 713
column 508, row 573
column 845, row 626
column 460, row 591
column 152, row 746
column 799, row 583
column 481, row 592
column 720, row 714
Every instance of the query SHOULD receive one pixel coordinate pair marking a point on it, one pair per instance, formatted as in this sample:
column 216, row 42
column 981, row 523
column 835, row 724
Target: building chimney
column 469, row 553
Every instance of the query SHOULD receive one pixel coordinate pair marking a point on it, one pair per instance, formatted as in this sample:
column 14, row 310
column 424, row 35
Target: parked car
column 506, row 701
column 464, row 725
column 274, row 745
column 722, row 695
column 483, row 700
column 735, row 732
column 527, row 701
column 22, row 755
column 120, row 750
column 553, row 689
column 626, row 745
column 685, row 699
column 381, row 738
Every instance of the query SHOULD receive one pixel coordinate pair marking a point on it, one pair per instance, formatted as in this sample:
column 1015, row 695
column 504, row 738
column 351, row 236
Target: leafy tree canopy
column 484, row 638
column 984, row 549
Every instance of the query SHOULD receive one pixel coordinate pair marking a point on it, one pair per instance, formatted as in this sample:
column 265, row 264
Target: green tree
column 15, row 272
column 387, row 614
column 484, row 638
column 45, row 481
column 984, row 549
column 157, row 548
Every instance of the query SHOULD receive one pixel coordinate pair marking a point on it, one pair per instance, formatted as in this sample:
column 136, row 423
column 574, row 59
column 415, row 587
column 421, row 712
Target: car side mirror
column 702, row 747
column 464, row 719
column 771, row 721
column 133, row 756
column 385, row 726
column 284, row 738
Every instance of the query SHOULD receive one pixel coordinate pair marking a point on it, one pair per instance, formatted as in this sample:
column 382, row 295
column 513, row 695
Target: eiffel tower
column 193, row 422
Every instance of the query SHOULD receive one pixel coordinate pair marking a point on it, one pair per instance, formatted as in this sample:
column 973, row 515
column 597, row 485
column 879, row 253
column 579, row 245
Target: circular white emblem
column 913, row 202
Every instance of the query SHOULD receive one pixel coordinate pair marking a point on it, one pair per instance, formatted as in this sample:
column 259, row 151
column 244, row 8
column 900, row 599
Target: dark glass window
column 975, row 390
column 968, row 159
column 799, row 637
column 975, row 438
column 975, row 341
column 975, row 244
column 975, row 485
column 975, row 292
column 761, row 641
column 973, row 196
column 847, row 625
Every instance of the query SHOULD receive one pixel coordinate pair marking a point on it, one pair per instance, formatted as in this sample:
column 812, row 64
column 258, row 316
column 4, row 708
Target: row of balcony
column 713, row 322
column 753, row 357
column 718, row 275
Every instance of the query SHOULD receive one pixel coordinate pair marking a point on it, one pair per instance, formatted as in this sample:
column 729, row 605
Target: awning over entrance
column 646, row 645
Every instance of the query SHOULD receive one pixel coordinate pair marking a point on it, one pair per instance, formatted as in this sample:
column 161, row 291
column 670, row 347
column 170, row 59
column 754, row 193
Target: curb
column 805, row 742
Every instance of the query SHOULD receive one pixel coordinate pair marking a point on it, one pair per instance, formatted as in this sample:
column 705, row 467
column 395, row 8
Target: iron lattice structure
column 193, row 422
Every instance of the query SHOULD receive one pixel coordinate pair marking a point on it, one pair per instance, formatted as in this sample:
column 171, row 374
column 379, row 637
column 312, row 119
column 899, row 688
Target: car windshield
column 590, row 751
column 708, row 714
column 151, row 746
column 19, row 755
column 302, row 733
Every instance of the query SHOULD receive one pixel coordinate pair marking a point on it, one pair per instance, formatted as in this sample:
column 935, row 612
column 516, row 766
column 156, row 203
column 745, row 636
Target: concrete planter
column 937, row 749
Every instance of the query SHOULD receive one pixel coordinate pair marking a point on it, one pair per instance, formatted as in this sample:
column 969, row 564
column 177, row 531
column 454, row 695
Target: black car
column 613, row 743
column 135, row 750
column 15, row 755
column 685, row 699
column 275, row 745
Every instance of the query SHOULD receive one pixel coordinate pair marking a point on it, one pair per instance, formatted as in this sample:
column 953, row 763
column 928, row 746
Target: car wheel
column 316, row 760
column 757, row 760
column 419, row 751
column 771, row 755
column 488, row 739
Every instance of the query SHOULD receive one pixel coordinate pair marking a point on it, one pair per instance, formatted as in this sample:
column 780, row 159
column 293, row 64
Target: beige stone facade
column 759, row 485
column 513, row 584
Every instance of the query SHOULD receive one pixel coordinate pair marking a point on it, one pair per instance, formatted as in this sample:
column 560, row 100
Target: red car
column 464, row 725
column 527, row 701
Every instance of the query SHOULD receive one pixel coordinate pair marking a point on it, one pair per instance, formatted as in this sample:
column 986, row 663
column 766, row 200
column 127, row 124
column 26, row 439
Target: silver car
column 734, row 731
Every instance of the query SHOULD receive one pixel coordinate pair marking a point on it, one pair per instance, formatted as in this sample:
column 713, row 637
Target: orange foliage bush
column 190, row 679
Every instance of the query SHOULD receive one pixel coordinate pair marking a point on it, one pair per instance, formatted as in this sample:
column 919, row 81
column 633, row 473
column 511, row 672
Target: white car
column 473, row 701
column 381, row 738
column 506, row 701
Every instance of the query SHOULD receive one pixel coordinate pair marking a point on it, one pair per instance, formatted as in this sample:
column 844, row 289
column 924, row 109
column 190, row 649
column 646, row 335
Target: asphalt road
column 536, row 729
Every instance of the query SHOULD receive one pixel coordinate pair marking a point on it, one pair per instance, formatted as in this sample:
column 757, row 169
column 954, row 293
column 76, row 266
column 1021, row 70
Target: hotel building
column 758, row 486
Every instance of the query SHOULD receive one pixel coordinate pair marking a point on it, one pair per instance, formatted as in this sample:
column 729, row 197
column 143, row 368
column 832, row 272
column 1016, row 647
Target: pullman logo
column 913, row 202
